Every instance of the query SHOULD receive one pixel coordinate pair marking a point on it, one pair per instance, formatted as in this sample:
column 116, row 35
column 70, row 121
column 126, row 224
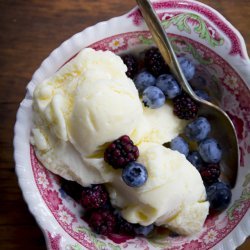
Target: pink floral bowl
column 223, row 67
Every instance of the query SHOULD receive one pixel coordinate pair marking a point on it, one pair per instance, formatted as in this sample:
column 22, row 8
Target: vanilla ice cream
column 89, row 103
column 157, row 125
column 173, row 195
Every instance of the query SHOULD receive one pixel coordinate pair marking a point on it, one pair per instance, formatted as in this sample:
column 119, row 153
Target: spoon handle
column 225, row 131
column 163, row 43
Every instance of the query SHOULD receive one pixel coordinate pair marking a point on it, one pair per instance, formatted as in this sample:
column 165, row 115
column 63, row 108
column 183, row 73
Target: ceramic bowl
column 219, row 52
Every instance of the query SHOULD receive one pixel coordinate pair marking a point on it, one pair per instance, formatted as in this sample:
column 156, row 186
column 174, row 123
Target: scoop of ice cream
column 103, row 110
column 173, row 195
column 88, row 102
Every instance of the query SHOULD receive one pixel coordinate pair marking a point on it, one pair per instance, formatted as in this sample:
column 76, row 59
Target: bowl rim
column 56, row 56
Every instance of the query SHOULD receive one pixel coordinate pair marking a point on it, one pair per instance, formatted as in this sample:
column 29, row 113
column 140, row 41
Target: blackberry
column 185, row 107
column 72, row 188
column 132, row 65
column 210, row 173
column 94, row 197
column 102, row 221
column 120, row 152
column 124, row 227
column 154, row 62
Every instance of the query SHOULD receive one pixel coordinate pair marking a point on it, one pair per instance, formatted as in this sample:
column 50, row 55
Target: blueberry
column 168, row 85
column 134, row 174
column 143, row 230
column 180, row 145
column 188, row 67
column 195, row 159
column 202, row 94
column 144, row 80
column 210, row 151
column 198, row 129
column 153, row 97
column 219, row 195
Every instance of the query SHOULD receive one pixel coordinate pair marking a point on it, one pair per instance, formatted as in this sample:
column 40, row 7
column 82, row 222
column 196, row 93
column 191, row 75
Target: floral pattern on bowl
column 180, row 13
column 202, row 35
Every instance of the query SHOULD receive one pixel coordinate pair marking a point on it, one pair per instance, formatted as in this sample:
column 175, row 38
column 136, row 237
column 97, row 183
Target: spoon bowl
column 222, row 127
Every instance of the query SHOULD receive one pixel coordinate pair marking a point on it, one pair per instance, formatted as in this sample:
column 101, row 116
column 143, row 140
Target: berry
column 210, row 151
column 202, row 94
column 134, row 174
column 72, row 188
column 154, row 62
column 94, row 197
column 195, row 159
column 198, row 129
column 132, row 65
column 144, row 80
column 210, row 173
column 124, row 227
column 143, row 230
column 173, row 234
column 180, row 145
column 187, row 67
column 153, row 97
column 102, row 221
column 219, row 195
column 185, row 107
column 120, row 152
column 168, row 85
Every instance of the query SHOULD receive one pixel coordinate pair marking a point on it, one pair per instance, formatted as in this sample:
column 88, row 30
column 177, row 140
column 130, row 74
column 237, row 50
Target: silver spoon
column 222, row 127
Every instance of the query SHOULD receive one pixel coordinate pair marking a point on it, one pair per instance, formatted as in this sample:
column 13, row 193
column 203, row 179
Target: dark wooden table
column 29, row 31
